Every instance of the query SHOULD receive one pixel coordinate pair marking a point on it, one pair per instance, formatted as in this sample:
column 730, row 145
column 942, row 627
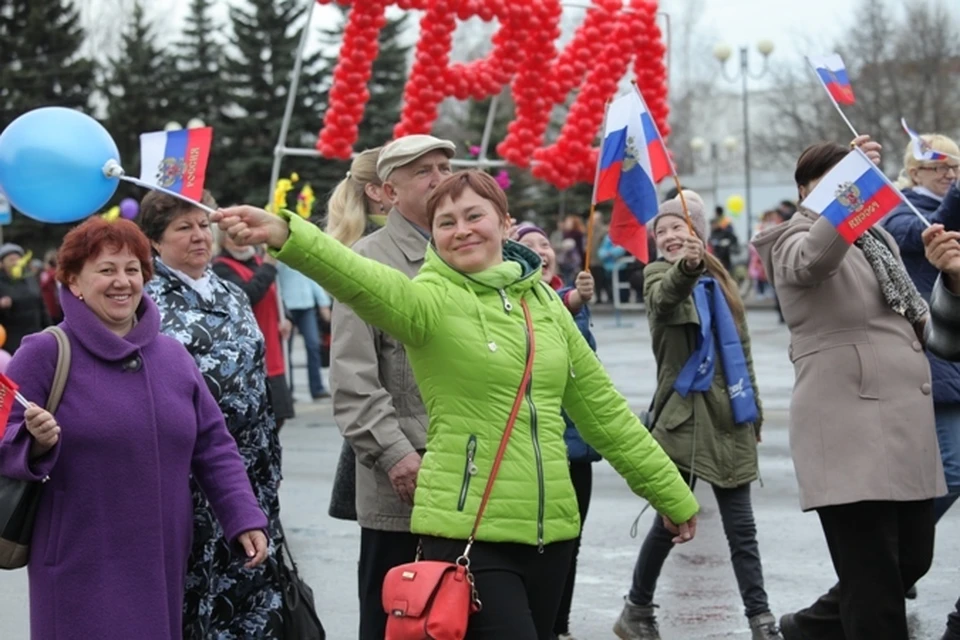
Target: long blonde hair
column 349, row 205
column 937, row 142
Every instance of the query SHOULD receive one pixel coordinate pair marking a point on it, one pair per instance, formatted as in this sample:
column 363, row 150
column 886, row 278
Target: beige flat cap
column 405, row 150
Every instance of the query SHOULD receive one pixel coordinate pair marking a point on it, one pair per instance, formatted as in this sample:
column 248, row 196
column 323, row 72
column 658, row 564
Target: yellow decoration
column 305, row 201
column 111, row 214
column 735, row 205
column 17, row 271
column 284, row 186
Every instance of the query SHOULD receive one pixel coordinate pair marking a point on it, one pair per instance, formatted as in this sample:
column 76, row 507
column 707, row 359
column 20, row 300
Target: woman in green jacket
column 707, row 413
column 462, row 321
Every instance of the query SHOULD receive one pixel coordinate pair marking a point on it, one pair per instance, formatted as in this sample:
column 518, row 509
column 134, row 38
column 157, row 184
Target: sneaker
column 764, row 627
column 637, row 622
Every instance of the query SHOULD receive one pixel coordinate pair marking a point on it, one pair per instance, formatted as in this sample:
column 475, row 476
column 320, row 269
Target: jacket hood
column 519, row 270
column 766, row 240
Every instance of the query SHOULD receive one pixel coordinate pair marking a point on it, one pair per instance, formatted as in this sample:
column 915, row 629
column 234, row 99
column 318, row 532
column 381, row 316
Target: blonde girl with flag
column 707, row 415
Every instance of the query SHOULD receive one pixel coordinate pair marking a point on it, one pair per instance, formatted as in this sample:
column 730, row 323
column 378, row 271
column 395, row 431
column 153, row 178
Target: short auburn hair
column 86, row 241
column 479, row 182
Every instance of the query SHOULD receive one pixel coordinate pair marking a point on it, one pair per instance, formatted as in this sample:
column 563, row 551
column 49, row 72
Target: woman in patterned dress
column 213, row 320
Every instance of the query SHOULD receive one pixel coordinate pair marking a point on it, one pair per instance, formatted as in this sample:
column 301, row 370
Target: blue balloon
column 51, row 164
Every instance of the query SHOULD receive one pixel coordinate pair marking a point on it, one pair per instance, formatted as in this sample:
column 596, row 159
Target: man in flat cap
column 376, row 402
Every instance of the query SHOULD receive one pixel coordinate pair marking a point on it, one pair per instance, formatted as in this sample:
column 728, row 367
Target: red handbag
column 433, row 600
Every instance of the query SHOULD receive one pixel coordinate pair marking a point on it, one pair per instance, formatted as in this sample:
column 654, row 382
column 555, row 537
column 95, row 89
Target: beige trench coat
column 376, row 402
column 861, row 417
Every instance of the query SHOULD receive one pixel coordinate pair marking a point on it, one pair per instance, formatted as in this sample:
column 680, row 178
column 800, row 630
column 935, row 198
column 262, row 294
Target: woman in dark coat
column 21, row 304
column 108, row 558
column 932, row 189
column 213, row 319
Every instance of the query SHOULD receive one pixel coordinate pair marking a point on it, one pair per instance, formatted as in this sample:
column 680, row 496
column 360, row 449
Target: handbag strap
column 62, row 371
column 524, row 385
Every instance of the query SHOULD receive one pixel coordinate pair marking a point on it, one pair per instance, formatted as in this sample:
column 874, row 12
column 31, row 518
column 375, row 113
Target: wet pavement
column 697, row 593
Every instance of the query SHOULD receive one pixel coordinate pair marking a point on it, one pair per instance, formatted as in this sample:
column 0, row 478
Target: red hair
column 90, row 238
column 453, row 186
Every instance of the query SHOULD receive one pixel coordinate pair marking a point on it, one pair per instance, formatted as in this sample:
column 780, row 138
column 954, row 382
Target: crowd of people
column 464, row 380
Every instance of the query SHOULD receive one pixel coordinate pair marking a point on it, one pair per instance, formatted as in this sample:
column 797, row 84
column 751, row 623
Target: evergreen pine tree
column 138, row 86
column 199, row 64
column 40, row 66
column 266, row 34
column 40, row 61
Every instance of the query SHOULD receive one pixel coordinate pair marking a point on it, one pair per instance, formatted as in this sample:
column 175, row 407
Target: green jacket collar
column 520, row 270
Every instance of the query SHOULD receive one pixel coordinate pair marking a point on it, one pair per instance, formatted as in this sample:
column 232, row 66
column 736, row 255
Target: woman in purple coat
column 109, row 552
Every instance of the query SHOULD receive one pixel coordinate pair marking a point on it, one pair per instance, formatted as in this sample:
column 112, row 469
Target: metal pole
column 715, row 161
column 278, row 151
column 746, row 140
column 488, row 127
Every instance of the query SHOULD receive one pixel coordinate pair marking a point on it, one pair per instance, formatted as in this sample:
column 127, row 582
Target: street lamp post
column 722, row 53
column 698, row 144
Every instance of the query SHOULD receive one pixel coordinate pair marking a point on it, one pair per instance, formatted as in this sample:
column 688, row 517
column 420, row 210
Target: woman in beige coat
column 861, row 426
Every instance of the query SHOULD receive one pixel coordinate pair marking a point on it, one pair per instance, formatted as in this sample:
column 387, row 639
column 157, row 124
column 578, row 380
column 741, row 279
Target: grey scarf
column 897, row 287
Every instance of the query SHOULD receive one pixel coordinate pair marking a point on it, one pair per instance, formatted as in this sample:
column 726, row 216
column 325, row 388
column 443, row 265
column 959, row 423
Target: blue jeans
column 948, row 435
column 305, row 320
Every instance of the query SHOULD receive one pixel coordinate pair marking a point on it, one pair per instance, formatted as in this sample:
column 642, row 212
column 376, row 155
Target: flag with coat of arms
column 176, row 160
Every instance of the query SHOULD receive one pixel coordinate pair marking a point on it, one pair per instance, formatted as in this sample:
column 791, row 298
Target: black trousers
column 519, row 586
column 953, row 624
column 581, row 474
column 879, row 549
column 380, row 551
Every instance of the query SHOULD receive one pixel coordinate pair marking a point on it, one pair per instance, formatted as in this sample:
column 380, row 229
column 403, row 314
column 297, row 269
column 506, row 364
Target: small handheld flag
column 633, row 159
column 832, row 74
column 8, row 394
column 921, row 148
column 853, row 196
column 176, row 160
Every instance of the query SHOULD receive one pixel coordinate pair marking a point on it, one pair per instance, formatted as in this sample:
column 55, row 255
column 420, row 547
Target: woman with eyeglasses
column 931, row 186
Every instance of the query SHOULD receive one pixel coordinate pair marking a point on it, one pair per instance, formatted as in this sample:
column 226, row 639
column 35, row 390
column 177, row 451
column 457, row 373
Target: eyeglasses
column 943, row 169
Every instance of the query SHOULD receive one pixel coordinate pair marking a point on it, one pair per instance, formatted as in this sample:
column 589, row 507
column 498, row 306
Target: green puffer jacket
column 467, row 342
column 726, row 454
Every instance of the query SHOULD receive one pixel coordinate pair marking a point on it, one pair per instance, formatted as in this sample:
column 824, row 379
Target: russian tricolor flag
column 833, row 74
column 853, row 196
column 176, row 160
column 632, row 160
column 921, row 148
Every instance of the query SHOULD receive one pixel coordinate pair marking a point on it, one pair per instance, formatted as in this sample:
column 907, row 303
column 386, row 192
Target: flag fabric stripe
column 8, row 389
column 627, row 232
column 176, row 147
column 853, row 196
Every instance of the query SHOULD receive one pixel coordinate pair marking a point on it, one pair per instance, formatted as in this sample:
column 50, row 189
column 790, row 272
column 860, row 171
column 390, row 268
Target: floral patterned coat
column 223, row 600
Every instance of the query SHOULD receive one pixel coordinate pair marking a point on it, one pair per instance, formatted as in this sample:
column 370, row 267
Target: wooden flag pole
column 591, row 219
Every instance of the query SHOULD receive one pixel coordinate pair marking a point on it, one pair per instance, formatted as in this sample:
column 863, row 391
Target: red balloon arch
column 614, row 34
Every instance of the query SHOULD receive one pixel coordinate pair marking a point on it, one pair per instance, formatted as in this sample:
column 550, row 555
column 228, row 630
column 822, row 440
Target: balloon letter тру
column 525, row 56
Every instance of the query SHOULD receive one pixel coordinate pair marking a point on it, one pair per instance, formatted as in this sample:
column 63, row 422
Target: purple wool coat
column 109, row 552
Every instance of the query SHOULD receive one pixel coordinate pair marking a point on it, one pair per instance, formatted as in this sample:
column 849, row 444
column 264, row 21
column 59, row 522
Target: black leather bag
column 19, row 499
column 300, row 619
